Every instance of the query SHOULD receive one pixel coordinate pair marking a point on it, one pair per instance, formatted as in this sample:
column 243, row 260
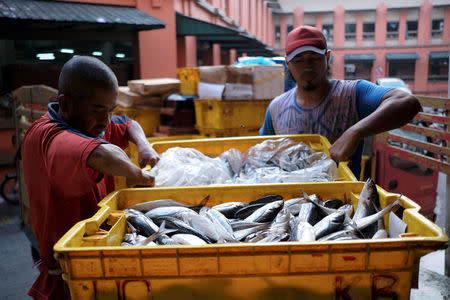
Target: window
column 368, row 31
column 438, row 66
column 350, row 31
column 436, row 28
column 289, row 28
column 277, row 32
column 411, row 30
column 403, row 69
column 358, row 69
column 392, row 30
column 327, row 30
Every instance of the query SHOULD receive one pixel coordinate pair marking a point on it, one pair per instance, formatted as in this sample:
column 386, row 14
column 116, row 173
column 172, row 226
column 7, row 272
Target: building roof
column 210, row 33
column 56, row 13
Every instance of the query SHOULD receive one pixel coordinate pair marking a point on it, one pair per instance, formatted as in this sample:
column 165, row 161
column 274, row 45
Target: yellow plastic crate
column 215, row 146
column 189, row 78
column 234, row 114
column 228, row 132
column 147, row 117
column 95, row 266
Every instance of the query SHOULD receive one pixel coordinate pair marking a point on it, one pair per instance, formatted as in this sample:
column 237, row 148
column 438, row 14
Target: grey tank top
column 335, row 114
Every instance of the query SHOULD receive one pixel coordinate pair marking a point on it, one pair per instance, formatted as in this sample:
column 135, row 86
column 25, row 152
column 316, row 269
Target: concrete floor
column 17, row 273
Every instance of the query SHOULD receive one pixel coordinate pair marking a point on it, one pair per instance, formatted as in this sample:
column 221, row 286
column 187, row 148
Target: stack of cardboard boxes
column 141, row 100
column 233, row 99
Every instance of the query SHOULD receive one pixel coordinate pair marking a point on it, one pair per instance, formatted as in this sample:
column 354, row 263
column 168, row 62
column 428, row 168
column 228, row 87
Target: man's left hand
column 344, row 147
column 147, row 156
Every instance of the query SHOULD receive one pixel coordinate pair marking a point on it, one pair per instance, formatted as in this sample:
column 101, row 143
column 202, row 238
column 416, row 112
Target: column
column 283, row 32
column 339, row 27
column 253, row 16
column 380, row 25
column 158, row 59
column 359, row 29
column 446, row 33
column 271, row 30
column 402, row 27
column 216, row 55
column 244, row 12
column 298, row 16
column 264, row 23
column 319, row 22
column 191, row 51
column 424, row 28
column 233, row 56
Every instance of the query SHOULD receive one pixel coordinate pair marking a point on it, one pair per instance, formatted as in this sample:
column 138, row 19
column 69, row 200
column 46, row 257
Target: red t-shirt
column 62, row 190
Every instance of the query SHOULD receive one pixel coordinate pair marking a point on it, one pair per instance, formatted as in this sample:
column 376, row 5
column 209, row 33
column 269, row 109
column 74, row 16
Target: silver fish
column 228, row 209
column 149, row 205
column 174, row 223
column 303, row 232
column 199, row 222
column 380, row 234
column 329, row 224
column 165, row 211
column 369, row 220
column 368, row 201
column 347, row 234
column 188, row 239
column 266, row 213
column 221, row 223
column 242, row 234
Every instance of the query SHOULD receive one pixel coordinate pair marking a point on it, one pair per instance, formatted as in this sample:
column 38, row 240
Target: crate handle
column 92, row 225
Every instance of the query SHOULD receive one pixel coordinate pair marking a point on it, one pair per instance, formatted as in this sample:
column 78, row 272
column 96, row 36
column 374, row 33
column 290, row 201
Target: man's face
column 309, row 69
column 92, row 116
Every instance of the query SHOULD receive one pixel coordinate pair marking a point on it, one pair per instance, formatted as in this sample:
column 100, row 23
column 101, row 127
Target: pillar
column 298, row 16
column 158, row 59
column 339, row 27
column 216, row 59
column 233, row 56
column 424, row 28
column 283, row 32
column 359, row 29
column 380, row 25
column 446, row 32
column 402, row 27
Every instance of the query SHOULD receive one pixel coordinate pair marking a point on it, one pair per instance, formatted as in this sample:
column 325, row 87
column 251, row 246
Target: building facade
column 374, row 39
column 368, row 39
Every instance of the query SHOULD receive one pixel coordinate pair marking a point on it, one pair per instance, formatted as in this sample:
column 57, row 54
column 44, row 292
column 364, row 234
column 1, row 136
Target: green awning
column 366, row 56
column 58, row 20
column 402, row 56
column 442, row 54
column 228, row 38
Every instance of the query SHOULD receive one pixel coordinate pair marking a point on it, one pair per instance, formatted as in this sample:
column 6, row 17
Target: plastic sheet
column 272, row 161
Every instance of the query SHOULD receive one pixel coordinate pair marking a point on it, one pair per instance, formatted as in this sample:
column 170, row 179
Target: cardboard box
column 268, row 81
column 127, row 98
column 213, row 74
column 158, row 86
column 239, row 84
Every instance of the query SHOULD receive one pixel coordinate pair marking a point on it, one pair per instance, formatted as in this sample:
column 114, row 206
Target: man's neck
column 310, row 99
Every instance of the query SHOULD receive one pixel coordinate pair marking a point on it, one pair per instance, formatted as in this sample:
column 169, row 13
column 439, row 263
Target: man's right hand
column 143, row 178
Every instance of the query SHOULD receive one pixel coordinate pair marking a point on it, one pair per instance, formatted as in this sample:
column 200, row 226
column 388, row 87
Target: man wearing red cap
column 345, row 111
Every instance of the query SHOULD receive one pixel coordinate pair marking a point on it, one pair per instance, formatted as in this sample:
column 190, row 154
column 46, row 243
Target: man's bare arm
column 111, row 160
column 396, row 109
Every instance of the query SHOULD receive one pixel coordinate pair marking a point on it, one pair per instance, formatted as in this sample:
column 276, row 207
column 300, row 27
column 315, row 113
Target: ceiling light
column 65, row 50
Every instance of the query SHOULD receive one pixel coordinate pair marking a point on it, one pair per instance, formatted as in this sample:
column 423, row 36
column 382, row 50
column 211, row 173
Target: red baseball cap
column 305, row 38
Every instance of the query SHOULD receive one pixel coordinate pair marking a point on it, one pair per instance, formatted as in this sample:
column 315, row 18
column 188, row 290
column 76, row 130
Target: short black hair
column 81, row 74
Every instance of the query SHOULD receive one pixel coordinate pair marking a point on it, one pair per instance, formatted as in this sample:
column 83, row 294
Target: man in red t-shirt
column 70, row 156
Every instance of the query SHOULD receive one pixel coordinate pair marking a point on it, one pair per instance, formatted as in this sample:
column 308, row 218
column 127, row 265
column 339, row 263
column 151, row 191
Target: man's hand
column 143, row 178
column 344, row 147
column 147, row 155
